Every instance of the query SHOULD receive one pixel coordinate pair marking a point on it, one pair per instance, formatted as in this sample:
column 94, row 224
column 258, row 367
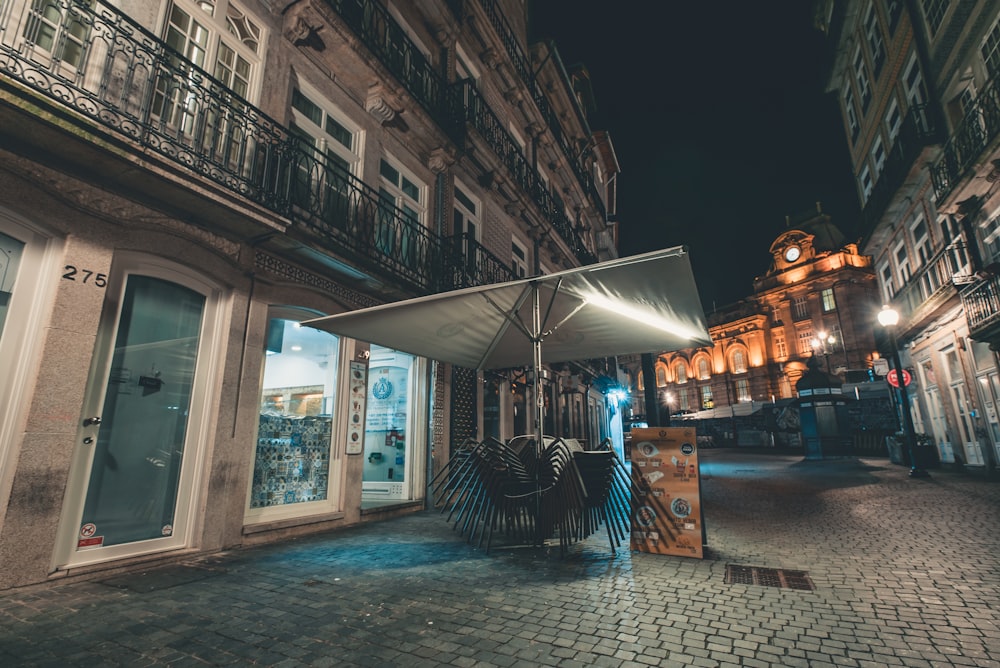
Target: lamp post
column 889, row 318
column 823, row 343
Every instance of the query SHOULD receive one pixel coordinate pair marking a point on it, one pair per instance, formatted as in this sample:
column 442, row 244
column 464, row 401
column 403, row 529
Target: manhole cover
column 768, row 577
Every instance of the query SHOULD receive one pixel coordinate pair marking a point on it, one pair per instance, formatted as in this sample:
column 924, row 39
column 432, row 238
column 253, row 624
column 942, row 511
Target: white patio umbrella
column 638, row 304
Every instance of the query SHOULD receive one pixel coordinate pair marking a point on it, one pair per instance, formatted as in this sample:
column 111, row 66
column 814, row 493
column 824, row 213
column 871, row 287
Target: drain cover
column 768, row 577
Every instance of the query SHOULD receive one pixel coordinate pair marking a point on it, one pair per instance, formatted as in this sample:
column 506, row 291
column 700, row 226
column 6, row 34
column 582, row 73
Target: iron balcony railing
column 376, row 28
column 973, row 135
column 917, row 131
column 936, row 277
column 479, row 115
column 982, row 305
column 522, row 65
column 96, row 61
column 393, row 47
column 468, row 263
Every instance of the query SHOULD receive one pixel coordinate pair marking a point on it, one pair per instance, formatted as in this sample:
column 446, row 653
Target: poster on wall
column 666, row 515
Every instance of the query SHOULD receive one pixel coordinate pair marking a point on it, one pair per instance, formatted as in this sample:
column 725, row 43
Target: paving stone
column 891, row 589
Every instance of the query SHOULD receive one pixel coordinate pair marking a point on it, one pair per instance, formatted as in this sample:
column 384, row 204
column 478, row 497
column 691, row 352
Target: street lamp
column 823, row 343
column 889, row 318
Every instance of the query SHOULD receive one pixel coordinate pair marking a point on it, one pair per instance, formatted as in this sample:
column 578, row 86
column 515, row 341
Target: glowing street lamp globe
column 888, row 317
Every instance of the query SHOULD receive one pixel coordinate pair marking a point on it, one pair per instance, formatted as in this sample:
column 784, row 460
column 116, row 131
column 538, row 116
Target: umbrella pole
column 536, row 361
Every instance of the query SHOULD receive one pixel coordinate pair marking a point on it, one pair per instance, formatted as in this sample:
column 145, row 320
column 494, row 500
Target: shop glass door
column 132, row 473
column 389, row 422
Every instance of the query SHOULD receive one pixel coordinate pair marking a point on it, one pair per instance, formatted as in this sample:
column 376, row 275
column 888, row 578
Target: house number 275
column 84, row 276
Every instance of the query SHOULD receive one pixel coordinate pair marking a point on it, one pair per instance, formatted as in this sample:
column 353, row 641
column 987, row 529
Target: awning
column 643, row 303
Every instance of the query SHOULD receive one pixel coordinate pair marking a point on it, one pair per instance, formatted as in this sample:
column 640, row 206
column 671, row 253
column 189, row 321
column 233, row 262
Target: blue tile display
column 292, row 460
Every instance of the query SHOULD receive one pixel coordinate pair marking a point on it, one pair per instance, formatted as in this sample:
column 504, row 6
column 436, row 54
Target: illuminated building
column 816, row 284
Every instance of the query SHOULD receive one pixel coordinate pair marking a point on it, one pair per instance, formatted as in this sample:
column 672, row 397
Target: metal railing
column 982, row 305
column 936, row 277
column 522, row 65
column 479, row 115
column 102, row 65
column 468, row 263
column 973, row 135
column 382, row 35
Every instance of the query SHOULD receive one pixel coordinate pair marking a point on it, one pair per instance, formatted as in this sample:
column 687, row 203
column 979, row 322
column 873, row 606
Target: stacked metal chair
column 530, row 496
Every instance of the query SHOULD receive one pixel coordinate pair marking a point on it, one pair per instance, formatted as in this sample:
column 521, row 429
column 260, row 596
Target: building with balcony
column 816, row 299
column 915, row 87
column 182, row 182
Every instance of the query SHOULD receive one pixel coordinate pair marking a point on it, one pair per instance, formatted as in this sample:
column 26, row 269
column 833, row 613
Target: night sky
column 720, row 123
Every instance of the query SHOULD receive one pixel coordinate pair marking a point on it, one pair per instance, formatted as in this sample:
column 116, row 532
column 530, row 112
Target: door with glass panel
column 391, row 434
column 140, row 437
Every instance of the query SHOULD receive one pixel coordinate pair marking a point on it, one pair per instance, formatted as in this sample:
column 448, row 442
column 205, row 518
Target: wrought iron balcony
column 971, row 139
column 479, row 115
column 372, row 23
column 96, row 62
column 982, row 308
column 380, row 33
column 917, row 131
column 522, row 65
column 934, row 283
column 468, row 263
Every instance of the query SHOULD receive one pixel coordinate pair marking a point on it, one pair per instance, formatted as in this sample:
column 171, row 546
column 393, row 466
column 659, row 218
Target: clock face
column 792, row 253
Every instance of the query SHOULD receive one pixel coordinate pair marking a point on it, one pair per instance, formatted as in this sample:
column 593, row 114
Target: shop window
column 388, row 421
column 293, row 454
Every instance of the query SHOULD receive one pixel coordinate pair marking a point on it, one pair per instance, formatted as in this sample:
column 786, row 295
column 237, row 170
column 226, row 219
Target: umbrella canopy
column 643, row 303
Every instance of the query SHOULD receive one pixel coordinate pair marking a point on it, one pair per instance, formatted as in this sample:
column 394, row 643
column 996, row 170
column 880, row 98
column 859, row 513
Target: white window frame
column 893, row 121
column 40, row 270
column 876, row 44
column 851, row 114
column 866, row 182
column 520, row 265
column 990, row 50
column 398, row 197
column 861, row 79
column 220, row 31
column 878, row 155
column 901, row 259
column 354, row 157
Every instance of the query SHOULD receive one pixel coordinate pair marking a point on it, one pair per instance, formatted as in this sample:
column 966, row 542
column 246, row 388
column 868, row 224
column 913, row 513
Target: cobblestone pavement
column 906, row 573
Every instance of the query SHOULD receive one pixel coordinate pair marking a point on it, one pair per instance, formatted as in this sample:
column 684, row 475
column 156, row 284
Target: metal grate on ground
column 768, row 577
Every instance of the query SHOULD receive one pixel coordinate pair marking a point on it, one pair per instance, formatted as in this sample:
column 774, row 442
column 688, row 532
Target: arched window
column 703, row 372
column 680, row 371
column 739, row 362
column 661, row 375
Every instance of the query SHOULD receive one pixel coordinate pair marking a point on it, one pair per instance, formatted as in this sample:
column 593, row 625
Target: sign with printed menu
column 666, row 515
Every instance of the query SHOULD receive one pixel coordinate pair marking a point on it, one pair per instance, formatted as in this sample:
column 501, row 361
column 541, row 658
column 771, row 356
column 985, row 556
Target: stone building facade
column 182, row 183
column 817, row 299
column 916, row 85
